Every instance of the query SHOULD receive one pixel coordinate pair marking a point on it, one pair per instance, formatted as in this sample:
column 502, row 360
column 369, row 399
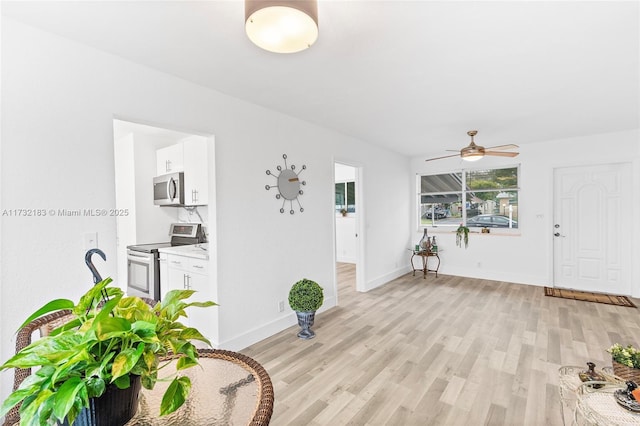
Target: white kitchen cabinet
column 189, row 273
column 190, row 157
column 196, row 171
column 170, row 159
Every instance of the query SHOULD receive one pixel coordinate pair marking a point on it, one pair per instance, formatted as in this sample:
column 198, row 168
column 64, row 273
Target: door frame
column 360, row 234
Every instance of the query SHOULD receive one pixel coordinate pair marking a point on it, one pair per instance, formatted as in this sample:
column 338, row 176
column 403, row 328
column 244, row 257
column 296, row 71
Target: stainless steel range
column 143, row 265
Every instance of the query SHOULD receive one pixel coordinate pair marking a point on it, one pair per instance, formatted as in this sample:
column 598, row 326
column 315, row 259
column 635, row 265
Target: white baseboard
column 377, row 282
column 493, row 275
column 253, row 336
column 257, row 334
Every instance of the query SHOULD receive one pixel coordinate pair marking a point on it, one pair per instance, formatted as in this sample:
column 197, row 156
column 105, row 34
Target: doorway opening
column 136, row 164
column 348, row 220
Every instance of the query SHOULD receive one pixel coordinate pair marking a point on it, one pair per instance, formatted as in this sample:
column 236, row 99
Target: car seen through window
column 491, row 221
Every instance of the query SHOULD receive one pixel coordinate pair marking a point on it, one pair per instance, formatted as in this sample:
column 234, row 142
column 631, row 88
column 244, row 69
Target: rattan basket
column 626, row 373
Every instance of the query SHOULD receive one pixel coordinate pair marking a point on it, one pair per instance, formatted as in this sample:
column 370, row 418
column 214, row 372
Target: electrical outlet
column 281, row 306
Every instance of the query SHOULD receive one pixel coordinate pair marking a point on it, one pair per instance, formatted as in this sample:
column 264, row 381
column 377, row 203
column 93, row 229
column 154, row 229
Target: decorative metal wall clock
column 288, row 185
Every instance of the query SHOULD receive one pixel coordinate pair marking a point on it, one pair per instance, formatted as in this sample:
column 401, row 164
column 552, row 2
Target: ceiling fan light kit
column 282, row 26
column 473, row 152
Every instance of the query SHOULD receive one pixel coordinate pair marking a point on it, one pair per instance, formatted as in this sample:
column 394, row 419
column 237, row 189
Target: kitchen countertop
column 198, row 251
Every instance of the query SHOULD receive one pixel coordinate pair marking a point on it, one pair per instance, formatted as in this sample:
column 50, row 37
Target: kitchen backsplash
column 198, row 214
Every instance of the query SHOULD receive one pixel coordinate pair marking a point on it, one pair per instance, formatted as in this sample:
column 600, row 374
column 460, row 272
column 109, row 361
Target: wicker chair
column 23, row 339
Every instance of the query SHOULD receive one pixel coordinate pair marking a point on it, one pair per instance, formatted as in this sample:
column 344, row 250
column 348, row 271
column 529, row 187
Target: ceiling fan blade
column 440, row 158
column 501, row 154
column 508, row 146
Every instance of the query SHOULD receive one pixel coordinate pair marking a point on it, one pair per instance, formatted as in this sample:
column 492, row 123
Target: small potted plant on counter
column 111, row 344
column 306, row 297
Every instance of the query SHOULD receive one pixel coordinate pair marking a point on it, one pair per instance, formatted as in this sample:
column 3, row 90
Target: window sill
column 500, row 232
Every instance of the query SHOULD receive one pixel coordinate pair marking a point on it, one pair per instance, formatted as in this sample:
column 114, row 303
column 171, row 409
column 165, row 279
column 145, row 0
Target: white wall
column 344, row 173
column 58, row 102
column 527, row 257
column 345, row 238
column 152, row 222
column 125, row 199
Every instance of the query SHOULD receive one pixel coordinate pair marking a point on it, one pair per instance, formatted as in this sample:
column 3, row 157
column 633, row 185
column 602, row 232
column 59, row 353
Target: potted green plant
column 305, row 298
column 462, row 235
column 626, row 361
column 110, row 342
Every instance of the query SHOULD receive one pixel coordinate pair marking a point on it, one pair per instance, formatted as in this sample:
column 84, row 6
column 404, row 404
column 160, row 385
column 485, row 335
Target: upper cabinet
column 196, row 171
column 190, row 157
column 170, row 159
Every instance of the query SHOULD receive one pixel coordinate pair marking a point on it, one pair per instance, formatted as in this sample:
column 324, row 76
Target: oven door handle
column 142, row 256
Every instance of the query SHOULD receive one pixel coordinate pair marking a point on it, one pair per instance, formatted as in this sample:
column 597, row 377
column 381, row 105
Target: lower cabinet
column 186, row 273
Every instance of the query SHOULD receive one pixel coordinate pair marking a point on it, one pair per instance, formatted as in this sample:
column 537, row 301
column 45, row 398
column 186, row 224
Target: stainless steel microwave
column 168, row 190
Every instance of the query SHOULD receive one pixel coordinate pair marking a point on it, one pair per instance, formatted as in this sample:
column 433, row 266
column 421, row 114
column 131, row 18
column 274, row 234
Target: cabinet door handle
column 194, row 195
column 168, row 165
column 198, row 266
column 186, row 281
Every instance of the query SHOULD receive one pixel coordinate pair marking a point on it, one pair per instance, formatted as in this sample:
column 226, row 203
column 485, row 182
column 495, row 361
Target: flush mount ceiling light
column 282, row 26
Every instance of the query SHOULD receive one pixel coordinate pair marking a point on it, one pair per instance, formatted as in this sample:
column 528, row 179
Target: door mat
column 589, row 297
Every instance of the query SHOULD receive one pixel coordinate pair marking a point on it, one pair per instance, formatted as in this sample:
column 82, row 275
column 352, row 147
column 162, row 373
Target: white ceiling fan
column 473, row 152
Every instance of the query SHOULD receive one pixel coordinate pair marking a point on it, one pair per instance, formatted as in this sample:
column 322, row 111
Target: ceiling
column 412, row 76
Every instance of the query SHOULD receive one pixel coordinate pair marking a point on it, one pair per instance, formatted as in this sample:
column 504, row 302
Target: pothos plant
column 108, row 339
column 462, row 235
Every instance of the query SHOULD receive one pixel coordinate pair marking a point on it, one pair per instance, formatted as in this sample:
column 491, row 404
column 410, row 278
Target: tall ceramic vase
column 425, row 241
column 305, row 321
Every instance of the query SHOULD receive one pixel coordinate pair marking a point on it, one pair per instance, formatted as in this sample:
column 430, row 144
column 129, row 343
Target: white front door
column 592, row 222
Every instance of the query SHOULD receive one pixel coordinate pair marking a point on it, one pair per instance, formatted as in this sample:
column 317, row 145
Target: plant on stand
column 306, row 297
column 462, row 235
column 110, row 343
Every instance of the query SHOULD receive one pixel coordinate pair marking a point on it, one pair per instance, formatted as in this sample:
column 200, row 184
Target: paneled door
column 592, row 217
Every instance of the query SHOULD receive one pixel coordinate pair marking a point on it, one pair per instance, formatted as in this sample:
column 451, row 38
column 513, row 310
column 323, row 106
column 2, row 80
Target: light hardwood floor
column 448, row 351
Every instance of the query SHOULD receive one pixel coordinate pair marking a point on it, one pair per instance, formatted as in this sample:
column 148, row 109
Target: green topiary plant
column 306, row 296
